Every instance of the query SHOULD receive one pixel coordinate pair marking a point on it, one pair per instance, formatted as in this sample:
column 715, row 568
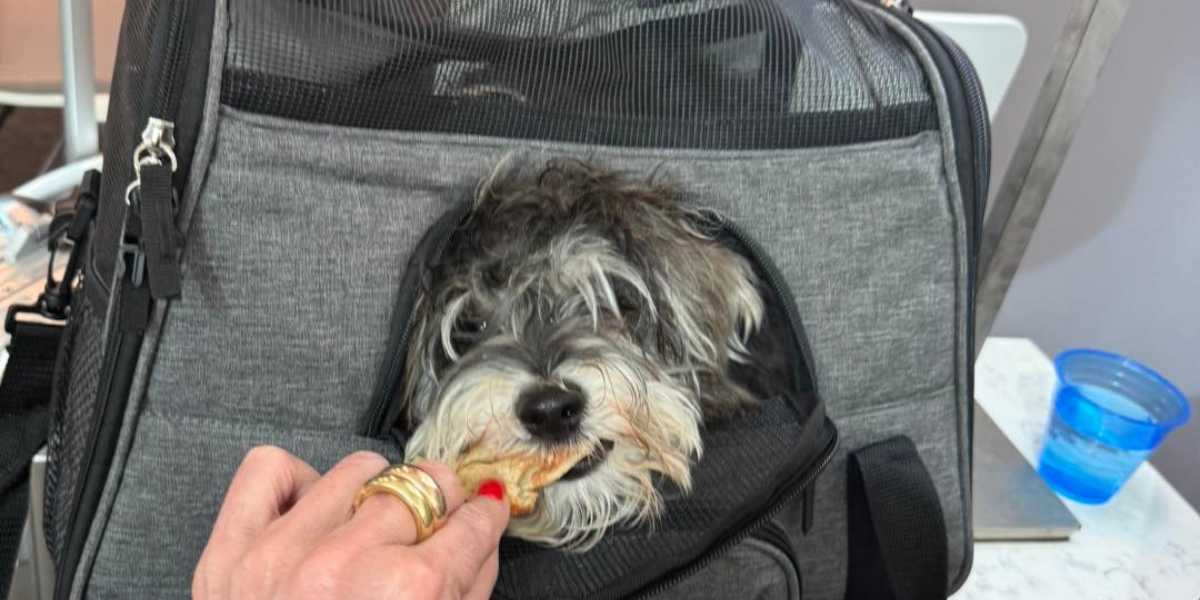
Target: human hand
column 285, row 531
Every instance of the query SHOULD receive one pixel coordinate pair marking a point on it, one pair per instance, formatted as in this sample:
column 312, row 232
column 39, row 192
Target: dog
column 585, row 309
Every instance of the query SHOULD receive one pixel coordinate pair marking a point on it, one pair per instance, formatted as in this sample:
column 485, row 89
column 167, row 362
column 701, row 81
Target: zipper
column 980, row 128
column 168, row 94
column 75, row 535
column 969, row 126
column 981, row 131
column 791, row 492
column 972, row 134
column 146, row 239
column 774, row 535
column 151, row 202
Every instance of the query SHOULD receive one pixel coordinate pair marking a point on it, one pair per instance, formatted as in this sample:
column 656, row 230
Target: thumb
column 470, row 536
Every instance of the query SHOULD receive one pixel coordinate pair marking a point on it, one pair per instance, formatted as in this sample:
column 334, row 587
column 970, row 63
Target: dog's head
column 578, row 307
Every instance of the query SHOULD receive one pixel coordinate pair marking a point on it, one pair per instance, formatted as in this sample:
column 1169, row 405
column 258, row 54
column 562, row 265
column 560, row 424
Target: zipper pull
column 152, row 196
column 898, row 5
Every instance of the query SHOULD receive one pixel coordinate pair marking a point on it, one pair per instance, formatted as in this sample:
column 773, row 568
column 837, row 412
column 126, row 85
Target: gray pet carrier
column 245, row 283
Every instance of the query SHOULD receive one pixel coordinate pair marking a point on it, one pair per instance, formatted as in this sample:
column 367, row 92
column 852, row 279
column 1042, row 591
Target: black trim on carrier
column 327, row 104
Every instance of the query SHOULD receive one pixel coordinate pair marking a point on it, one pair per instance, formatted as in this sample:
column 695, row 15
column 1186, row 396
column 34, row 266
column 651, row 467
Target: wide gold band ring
column 416, row 489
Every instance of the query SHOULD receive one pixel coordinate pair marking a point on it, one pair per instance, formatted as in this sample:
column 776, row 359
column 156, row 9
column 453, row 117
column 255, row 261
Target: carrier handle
column 897, row 534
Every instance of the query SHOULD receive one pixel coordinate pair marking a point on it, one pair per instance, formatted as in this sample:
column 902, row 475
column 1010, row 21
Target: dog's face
column 579, row 308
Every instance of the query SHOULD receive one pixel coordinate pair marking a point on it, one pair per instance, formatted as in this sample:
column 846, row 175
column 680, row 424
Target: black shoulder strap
column 24, row 419
column 896, row 530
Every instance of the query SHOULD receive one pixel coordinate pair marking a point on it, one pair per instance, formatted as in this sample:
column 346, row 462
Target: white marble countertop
column 1142, row 544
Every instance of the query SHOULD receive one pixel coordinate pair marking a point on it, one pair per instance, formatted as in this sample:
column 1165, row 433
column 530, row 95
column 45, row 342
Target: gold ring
column 416, row 489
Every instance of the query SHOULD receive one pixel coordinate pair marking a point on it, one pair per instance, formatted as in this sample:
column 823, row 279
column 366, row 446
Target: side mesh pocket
column 73, row 412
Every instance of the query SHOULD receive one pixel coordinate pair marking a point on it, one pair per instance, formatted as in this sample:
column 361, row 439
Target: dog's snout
column 551, row 413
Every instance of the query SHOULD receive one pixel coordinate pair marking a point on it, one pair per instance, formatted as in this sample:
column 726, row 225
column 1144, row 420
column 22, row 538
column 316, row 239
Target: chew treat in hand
column 523, row 475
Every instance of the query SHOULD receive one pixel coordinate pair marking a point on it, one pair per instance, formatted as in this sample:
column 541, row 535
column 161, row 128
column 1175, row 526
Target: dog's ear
column 708, row 301
column 415, row 358
column 423, row 360
column 708, row 304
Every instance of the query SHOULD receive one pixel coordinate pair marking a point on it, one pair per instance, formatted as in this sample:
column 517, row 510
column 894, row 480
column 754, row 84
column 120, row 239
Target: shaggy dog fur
column 600, row 302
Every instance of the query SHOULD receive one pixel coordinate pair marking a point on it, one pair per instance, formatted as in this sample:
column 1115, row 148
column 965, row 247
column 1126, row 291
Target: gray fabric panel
column 172, row 487
column 301, row 237
column 752, row 570
column 294, row 256
column 925, row 419
column 866, row 244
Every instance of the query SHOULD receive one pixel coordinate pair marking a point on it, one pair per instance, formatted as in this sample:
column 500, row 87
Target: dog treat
column 523, row 475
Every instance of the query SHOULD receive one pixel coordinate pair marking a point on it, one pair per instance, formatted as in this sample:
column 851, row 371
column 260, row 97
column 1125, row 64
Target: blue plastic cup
column 1109, row 415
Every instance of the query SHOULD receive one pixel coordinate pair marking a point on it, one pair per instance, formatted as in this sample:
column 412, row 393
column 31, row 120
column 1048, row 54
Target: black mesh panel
column 742, row 458
column 710, row 73
column 73, row 415
column 127, row 110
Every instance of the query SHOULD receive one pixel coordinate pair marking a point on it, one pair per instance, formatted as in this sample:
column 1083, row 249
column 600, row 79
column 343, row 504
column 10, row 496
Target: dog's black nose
column 551, row 413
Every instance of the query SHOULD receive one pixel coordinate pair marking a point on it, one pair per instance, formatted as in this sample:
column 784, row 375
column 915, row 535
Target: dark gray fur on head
column 691, row 318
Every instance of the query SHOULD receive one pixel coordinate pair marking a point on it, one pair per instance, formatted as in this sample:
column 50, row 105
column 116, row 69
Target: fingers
column 468, row 541
column 482, row 590
column 384, row 519
column 329, row 502
column 459, row 561
column 266, row 484
column 324, row 505
column 283, row 528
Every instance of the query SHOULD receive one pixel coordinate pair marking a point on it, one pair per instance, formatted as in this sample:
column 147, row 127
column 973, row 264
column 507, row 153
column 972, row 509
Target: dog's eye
column 471, row 326
column 467, row 333
column 495, row 275
column 627, row 303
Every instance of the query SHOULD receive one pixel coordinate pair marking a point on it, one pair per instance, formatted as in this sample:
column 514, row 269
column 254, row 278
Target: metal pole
column 80, row 133
column 1041, row 151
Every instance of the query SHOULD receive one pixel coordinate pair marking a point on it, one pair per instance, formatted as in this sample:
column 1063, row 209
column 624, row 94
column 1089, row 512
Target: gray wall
column 1115, row 260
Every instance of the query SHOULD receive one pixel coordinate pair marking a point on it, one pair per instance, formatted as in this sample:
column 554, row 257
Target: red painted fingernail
column 492, row 489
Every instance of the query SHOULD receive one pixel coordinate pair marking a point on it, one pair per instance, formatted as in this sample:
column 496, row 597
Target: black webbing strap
column 896, row 530
column 24, row 419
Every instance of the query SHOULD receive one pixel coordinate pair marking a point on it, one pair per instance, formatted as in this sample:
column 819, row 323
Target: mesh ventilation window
column 706, row 74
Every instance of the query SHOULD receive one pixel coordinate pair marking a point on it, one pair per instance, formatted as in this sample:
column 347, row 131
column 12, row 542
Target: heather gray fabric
column 177, row 474
column 925, row 418
column 300, row 237
column 753, row 570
